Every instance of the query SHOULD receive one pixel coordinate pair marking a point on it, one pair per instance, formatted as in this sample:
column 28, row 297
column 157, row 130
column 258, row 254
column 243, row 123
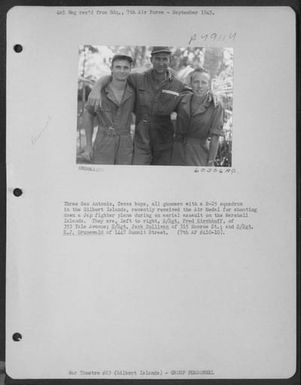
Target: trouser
column 112, row 149
column 196, row 152
column 152, row 155
column 178, row 155
column 153, row 142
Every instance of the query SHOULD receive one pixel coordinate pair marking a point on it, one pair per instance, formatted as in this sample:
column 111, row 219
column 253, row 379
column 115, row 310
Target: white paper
column 174, row 307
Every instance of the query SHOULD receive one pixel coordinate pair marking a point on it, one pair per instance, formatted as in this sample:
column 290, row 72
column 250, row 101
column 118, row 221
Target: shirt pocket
column 107, row 113
column 167, row 102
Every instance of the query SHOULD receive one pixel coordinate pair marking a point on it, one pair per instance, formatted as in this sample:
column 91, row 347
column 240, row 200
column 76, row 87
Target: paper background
column 150, row 303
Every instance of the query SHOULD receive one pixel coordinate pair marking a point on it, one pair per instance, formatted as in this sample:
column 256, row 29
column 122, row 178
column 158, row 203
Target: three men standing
column 153, row 96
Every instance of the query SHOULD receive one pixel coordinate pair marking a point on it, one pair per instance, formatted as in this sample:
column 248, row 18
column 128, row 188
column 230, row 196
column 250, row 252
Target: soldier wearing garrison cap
column 157, row 95
column 160, row 50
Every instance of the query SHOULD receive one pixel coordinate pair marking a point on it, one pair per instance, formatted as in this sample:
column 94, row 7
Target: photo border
column 5, row 6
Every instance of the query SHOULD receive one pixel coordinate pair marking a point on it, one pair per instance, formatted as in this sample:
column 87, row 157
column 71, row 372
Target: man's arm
column 94, row 98
column 215, row 131
column 213, row 147
column 132, row 80
column 88, row 121
column 180, row 127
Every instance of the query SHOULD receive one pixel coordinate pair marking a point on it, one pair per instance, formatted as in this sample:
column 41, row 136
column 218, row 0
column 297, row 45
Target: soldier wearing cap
column 157, row 94
column 113, row 143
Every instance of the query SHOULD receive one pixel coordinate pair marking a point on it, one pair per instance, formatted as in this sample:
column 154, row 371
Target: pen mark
column 193, row 37
column 36, row 137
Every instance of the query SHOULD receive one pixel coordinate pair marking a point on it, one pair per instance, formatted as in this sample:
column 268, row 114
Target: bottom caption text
column 139, row 373
column 105, row 218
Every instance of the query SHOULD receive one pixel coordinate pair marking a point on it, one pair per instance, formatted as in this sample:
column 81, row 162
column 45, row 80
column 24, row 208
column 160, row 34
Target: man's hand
column 88, row 153
column 213, row 97
column 94, row 99
column 110, row 131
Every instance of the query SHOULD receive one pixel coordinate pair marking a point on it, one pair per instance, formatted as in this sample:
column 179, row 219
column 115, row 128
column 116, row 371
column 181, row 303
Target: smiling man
column 157, row 94
column 199, row 125
column 113, row 143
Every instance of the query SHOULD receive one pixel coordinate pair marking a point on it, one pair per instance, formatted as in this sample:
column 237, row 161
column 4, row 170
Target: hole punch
column 17, row 337
column 17, row 192
column 18, row 48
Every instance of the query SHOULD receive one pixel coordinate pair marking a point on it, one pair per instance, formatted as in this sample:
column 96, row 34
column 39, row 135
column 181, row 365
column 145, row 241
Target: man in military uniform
column 157, row 94
column 113, row 143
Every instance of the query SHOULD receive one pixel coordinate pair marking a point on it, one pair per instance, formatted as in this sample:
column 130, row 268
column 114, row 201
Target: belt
column 110, row 131
column 192, row 139
column 156, row 118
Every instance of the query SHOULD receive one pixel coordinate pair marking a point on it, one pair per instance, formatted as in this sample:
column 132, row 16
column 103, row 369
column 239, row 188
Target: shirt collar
column 128, row 92
column 169, row 74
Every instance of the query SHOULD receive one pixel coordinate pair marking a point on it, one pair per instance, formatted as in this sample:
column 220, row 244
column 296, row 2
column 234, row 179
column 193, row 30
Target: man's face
column 160, row 62
column 200, row 83
column 120, row 70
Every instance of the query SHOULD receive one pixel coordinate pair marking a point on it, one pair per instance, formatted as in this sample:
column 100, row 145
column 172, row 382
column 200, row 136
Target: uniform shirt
column 155, row 101
column 114, row 114
column 205, row 121
column 155, row 98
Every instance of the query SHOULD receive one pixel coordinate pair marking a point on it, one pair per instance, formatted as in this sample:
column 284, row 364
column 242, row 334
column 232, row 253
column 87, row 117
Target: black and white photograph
column 181, row 272
column 155, row 105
